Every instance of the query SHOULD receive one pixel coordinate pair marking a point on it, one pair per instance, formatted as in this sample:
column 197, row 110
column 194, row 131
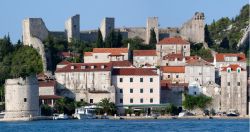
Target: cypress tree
column 99, row 42
column 225, row 43
column 119, row 39
column 207, row 35
column 152, row 40
column 111, row 40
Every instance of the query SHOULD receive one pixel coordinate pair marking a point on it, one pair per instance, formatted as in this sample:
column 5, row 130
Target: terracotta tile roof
column 85, row 67
column 173, row 40
column 49, row 97
column 124, row 63
column 88, row 53
column 48, row 83
column 67, row 54
column 198, row 62
column 110, row 50
column 172, row 57
column 116, row 54
column 233, row 67
column 64, row 62
column 134, row 72
column 173, row 69
column 221, row 56
column 144, row 53
column 165, row 84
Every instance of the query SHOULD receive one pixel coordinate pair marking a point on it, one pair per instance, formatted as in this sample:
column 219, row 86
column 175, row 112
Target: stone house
column 104, row 55
column 144, row 57
column 172, row 92
column 138, row 88
column 174, row 74
column 225, row 59
column 199, row 70
column 173, row 45
column 176, row 59
column 88, row 82
column 47, row 92
column 234, row 89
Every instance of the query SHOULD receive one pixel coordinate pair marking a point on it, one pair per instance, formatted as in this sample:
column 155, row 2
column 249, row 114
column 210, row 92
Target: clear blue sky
column 171, row 13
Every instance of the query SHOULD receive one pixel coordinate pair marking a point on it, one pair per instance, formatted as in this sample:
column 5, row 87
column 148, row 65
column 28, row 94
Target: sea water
column 174, row 125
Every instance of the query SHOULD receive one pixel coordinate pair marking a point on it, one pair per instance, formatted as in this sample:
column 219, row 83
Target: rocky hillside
column 224, row 35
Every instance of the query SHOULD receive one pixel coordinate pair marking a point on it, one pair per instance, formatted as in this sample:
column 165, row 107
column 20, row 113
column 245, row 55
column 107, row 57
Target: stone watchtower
column 152, row 23
column 107, row 24
column 21, row 98
column 72, row 28
column 193, row 29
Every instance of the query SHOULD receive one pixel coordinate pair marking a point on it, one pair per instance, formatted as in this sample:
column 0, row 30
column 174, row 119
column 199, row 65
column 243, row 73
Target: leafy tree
column 192, row 102
column 25, row 62
column 46, row 110
column 5, row 47
column 172, row 109
column 65, row 105
column 99, row 41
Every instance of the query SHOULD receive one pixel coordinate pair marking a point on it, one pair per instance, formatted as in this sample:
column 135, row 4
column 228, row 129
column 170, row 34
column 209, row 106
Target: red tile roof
column 173, row 40
column 124, row 63
column 64, row 62
column 233, row 67
column 144, row 53
column 48, row 83
column 134, row 72
column 85, row 67
column 221, row 56
column 110, row 50
column 165, row 84
column 198, row 62
column 173, row 69
column 49, row 97
column 172, row 57
column 88, row 53
column 67, row 54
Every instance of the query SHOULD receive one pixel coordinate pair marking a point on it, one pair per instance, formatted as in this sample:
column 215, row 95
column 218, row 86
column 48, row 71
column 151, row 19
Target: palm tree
column 107, row 106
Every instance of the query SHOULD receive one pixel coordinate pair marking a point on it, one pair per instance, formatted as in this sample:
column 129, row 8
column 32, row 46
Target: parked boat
column 86, row 112
column 60, row 117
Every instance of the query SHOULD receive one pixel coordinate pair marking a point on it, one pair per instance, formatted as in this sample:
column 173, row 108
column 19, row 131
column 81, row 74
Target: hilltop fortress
column 35, row 31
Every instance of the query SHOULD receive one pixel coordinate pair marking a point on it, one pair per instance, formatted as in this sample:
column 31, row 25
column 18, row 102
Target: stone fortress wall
column 35, row 31
column 21, row 97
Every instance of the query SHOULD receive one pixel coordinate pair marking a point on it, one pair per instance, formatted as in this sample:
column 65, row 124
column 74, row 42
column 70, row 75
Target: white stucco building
column 136, row 87
column 174, row 74
column 144, row 58
column 103, row 55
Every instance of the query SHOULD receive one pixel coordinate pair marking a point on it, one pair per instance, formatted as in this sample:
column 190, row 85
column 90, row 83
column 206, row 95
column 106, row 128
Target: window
column 141, row 90
column 177, row 76
column 25, row 100
column 168, row 76
column 121, row 79
column 238, row 83
column 91, row 101
column 141, row 100
column 151, row 79
column 131, row 100
column 96, row 57
column 81, row 100
column 228, row 83
column 151, row 100
column 228, row 70
column 238, row 70
column 194, row 93
column 131, row 90
column 121, row 100
column 131, row 79
column 151, row 90
column 141, row 79
column 184, row 46
column 121, row 91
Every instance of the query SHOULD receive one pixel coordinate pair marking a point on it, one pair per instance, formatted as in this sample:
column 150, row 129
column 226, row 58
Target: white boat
column 60, row 117
column 87, row 112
